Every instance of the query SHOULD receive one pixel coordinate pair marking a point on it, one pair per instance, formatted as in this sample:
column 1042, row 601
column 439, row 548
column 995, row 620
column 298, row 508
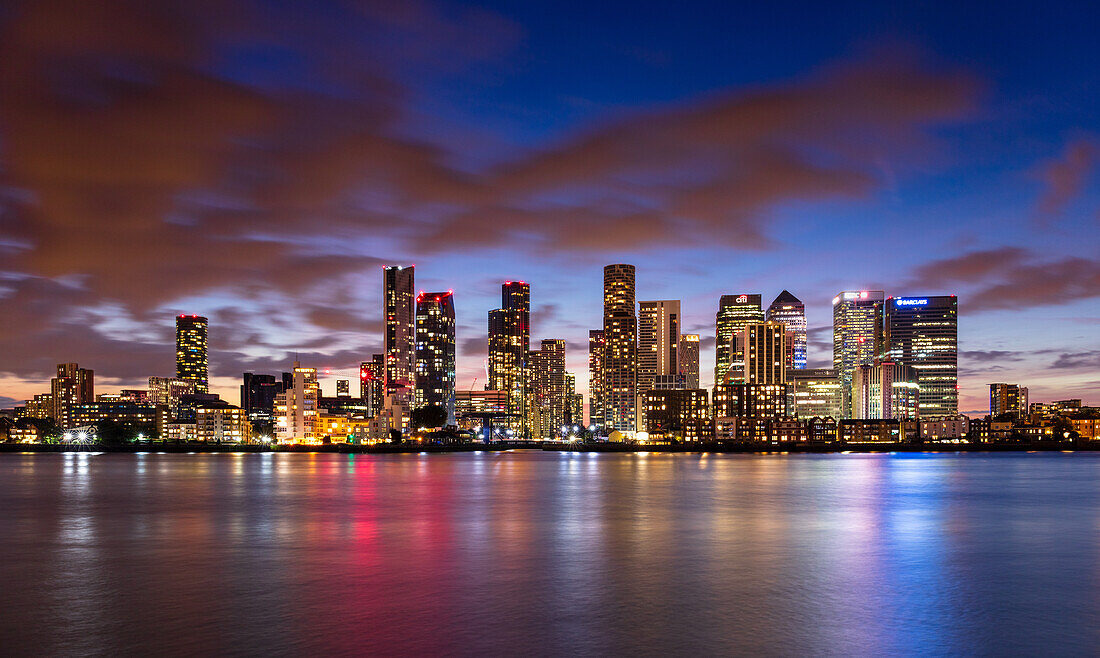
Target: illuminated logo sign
column 911, row 302
column 742, row 299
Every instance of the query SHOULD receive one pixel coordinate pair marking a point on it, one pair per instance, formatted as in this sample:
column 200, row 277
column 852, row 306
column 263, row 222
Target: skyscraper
column 435, row 352
column 548, row 390
column 764, row 350
column 73, row 386
column 734, row 311
column 1008, row 399
column 688, row 357
column 509, row 345
column 400, row 338
column 923, row 333
column 596, row 348
column 620, row 363
column 790, row 310
column 857, row 335
column 658, row 341
column 191, row 359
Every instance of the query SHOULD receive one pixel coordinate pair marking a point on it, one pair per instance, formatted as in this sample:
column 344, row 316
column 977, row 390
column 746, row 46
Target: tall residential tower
column 620, row 362
column 191, row 359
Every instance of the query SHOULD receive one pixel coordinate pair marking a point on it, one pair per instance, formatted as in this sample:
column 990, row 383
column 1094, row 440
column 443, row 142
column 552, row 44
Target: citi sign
column 911, row 302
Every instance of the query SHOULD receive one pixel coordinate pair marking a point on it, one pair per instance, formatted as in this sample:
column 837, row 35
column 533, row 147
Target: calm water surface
column 549, row 554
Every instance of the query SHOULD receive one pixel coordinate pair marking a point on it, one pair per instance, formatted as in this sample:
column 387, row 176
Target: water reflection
column 550, row 553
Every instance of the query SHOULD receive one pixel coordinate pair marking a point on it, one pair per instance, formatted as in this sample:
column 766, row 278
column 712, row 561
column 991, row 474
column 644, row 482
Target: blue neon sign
column 911, row 302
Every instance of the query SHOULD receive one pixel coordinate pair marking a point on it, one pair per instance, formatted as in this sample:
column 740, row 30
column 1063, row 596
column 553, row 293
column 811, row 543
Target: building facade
column 296, row 408
column 658, row 341
column 923, row 333
column 1008, row 399
column 857, row 336
column 814, row 392
column 596, row 348
column 620, row 362
column 734, row 312
column 885, row 390
column 399, row 339
column 191, row 351
column 790, row 310
column 435, row 352
column 680, row 413
column 688, row 357
column 72, row 386
column 763, row 350
column 509, row 347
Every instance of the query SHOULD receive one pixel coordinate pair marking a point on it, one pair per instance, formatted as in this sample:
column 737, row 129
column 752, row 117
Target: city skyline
column 891, row 153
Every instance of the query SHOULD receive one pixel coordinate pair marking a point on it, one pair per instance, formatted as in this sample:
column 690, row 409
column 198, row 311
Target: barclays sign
column 911, row 302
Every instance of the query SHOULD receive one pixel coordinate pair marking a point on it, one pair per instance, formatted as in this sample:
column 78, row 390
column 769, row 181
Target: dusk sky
column 259, row 162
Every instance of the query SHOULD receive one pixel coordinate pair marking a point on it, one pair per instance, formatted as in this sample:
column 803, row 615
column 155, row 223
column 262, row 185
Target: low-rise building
column 939, row 428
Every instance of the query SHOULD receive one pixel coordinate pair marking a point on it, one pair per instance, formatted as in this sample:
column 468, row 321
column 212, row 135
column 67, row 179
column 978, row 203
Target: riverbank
column 596, row 447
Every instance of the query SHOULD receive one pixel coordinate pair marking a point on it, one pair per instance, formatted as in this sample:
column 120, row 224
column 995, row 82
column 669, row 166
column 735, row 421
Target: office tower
column 596, row 348
column 191, row 359
column 857, row 336
column 734, row 312
column 435, row 352
column 814, row 392
column 1007, row 399
column 575, row 416
column 372, row 375
column 688, row 357
column 258, row 400
column 620, row 362
column 885, row 390
column 343, row 388
column 658, row 341
column 790, row 310
column 681, row 413
column 923, row 333
column 73, row 386
column 296, row 408
column 764, row 350
column 509, row 345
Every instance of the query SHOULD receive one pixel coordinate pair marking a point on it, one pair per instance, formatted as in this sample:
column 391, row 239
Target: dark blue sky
column 258, row 163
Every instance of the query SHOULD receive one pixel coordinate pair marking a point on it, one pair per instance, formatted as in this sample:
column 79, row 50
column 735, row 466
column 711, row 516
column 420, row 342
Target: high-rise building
column 688, row 356
column 814, row 392
column 763, row 347
column 509, row 347
column 575, row 415
column 790, row 310
column 620, row 362
column 343, row 388
column 435, row 352
column 658, row 341
column 73, row 386
column 258, row 400
column 551, row 387
column 923, row 333
column 1008, row 399
column 857, row 336
column 372, row 377
column 596, row 348
column 885, row 390
column 399, row 339
column 191, row 357
column 734, row 312
column 296, row 408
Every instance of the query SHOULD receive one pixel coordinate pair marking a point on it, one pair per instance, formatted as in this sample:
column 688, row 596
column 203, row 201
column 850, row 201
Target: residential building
column 620, row 362
column 191, row 351
column 435, row 352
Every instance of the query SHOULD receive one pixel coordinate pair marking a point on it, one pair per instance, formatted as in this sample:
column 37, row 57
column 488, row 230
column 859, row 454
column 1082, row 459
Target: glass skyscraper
column 923, row 333
column 509, row 347
column 620, row 363
column 857, row 335
column 734, row 312
column 790, row 310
